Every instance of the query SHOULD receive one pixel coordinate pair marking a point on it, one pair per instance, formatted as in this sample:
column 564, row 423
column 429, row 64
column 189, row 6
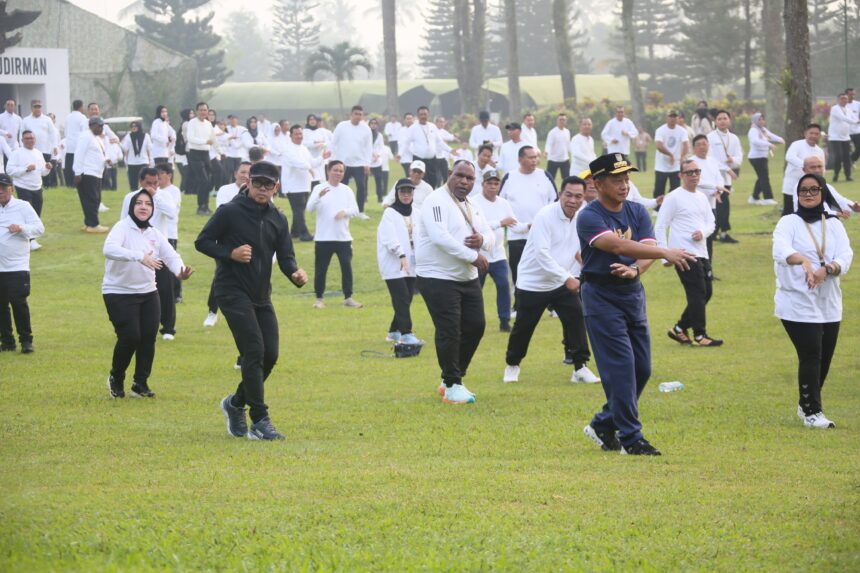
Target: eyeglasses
column 810, row 191
column 261, row 183
column 692, row 172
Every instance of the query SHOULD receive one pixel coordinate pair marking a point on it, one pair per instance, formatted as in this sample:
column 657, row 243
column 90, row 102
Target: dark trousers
column 815, row 344
column 698, row 286
column 14, row 290
column 298, row 204
column 531, row 306
column 134, row 176
column 405, row 167
column 402, row 291
column 184, row 176
column 380, row 179
column 255, row 330
column 787, row 204
column 211, row 302
column 165, row 282
column 35, row 198
column 840, row 151
column 135, row 321
column 431, row 175
column 722, row 213
column 457, row 310
column 762, row 187
column 161, row 160
column 553, row 167
column 499, row 272
column 642, row 161
column 90, row 194
column 109, row 178
column 323, row 251
column 199, row 173
column 219, row 177
column 49, row 180
column 515, row 253
column 393, row 145
column 360, row 184
column 69, row 169
column 660, row 179
column 231, row 164
column 441, row 171
column 855, row 140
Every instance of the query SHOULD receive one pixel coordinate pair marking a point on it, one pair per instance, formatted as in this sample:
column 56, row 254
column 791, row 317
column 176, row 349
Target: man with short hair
column 47, row 138
column 485, row 132
column 842, row 121
column 200, row 138
column 19, row 224
column 90, row 162
column 421, row 189
column 725, row 147
column 27, row 167
column 582, row 147
column 444, row 153
column 233, row 151
column 710, row 184
column 529, row 133
column 618, row 132
column 76, row 124
column 244, row 236
column 549, row 279
column 392, row 133
column 10, row 125
column 352, row 143
column 557, row 148
column 404, row 156
column 510, row 151
column 424, row 141
column 672, row 146
column 797, row 153
column 297, row 171
column 814, row 164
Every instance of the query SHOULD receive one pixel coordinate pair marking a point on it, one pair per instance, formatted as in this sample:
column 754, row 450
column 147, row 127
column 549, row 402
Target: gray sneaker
column 264, row 430
column 237, row 425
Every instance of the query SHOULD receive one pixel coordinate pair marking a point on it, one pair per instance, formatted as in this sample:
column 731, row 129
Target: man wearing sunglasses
column 243, row 235
column 688, row 215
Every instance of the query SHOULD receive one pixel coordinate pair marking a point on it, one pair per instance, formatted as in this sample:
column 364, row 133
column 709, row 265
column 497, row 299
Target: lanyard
column 819, row 248
column 467, row 212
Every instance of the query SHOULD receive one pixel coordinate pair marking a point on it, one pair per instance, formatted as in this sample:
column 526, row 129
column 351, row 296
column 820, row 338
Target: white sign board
column 37, row 73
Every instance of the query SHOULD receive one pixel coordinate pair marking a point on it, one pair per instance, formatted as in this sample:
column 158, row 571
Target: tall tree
column 629, row 34
column 825, row 17
column 708, row 55
column 244, row 41
column 774, row 62
column 748, row 40
column 389, row 40
column 513, row 58
column 174, row 27
column 563, row 49
column 13, row 20
column 341, row 61
column 496, row 60
column 338, row 18
column 296, row 34
column 797, row 78
column 436, row 56
column 469, row 35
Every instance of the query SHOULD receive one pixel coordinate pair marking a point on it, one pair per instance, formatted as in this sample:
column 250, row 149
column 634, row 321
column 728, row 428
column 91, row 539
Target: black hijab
column 140, row 224
column 137, row 137
column 402, row 208
column 254, row 131
column 158, row 111
column 308, row 122
column 814, row 214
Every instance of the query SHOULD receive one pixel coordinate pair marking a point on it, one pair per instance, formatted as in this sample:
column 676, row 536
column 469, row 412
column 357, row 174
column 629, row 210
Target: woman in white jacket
column 811, row 251
column 134, row 250
column 762, row 144
column 137, row 150
column 396, row 257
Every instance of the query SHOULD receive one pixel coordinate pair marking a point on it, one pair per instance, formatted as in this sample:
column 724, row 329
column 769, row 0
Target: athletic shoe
column 98, row 229
column 211, row 319
column 513, row 315
column 363, row 217
column 607, row 441
column 264, row 430
column 767, row 202
column 457, row 394
column 34, row 245
column 818, row 420
column 553, row 314
column 238, row 365
column 306, row 238
column 351, row 303
column 178, row 300
column 585, row 376
column 512, row 374
column 318, row 303
column 726, row 238
column 504, row 326
column 237, row 425
column 141, row 391
column 27, row 348
column 103, row 208
column 167, row 336
column 411, row 339
column 752, row 200
column 115, row 388
column 393, row 336
column 679, row 335
column 800, row 413
column 706, row 341
column 640, row 447
column 441, row 389
column 8, row 348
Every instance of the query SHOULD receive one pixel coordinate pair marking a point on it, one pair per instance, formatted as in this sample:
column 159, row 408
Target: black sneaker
column 115, row 388
column 237, row 425
column 640, row 448
column 8, row 348
column 27, row 348
column 264, row 430
column 141, row 391
column 505, row 326
column 568, row 359
column 727, row 239
column 607, row 441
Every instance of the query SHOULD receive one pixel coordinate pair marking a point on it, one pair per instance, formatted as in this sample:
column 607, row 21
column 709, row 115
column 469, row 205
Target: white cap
column 419, row 165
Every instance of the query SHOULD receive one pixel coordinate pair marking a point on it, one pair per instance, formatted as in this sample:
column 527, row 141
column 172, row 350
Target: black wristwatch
column 635, row 266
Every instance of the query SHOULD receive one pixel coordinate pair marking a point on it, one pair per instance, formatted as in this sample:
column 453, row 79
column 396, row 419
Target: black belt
column 604, row 280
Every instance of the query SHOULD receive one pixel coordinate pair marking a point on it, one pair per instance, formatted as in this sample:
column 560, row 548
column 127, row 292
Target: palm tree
column 513, row 58
column 341, row 61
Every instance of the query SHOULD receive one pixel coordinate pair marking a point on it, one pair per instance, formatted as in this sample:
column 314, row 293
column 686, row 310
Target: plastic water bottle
column 671, row 386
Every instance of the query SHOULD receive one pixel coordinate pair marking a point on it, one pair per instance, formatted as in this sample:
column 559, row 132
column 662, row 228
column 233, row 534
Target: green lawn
column 378, row 475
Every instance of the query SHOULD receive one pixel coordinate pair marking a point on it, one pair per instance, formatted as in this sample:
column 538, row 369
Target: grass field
column 378, row 475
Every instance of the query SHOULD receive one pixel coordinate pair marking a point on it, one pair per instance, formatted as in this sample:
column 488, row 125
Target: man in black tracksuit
column 242, row 236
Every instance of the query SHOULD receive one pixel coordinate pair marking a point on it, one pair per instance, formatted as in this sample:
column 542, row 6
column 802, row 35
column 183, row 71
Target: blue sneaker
column 411, row 339
column 393, row 336
column 237, row 425
column 458, row 394
column 264, row 430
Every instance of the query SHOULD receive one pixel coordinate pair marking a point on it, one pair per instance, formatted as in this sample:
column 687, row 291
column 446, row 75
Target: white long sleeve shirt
column 726, row 148
column 480, row 134
column 509, row 158
column 376, row 151
column 15, row 247
column 225, row 194
column 76, row 124
column 797, row 153
column 249, row 142
column 440, row 251
column 636, row 197
column 760, row 140
column 198, row 134
column 10, row 129
column 615, row 130
column 168, row 203
column 317, row 141
column 854, row 106
column 90, row 156
column 404, row 152
column 423, row 140
column 339, row 198
column 43, row 128
column 422, row 191
column 353, row 144
column 145, row 157
column 549, row 258
column 793, row 299
column 392, row 130
column 842, row 120
column 5, row 150
column 558, row 145
column 494, row 212
column 581, row 153
column 530, row 136
column 683, row 213
column 124, row 249
column 159, row 135
column 297, row 168
column 234, row 147
column 17, row 168
column 395, row 238
column 527, row 194
column 710, row 179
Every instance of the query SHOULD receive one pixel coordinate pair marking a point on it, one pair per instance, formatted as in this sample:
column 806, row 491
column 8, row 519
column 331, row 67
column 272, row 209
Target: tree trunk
column 629, row 33
column 389, row 42
column 564, row 53
column 774, row 62
column 513, row 58
column 340, row 98
column 469, row 36
column 461, row 14
column 747, row 51
column 797, row 78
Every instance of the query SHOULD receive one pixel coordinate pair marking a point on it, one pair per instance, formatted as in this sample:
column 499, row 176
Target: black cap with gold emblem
column 610, row 164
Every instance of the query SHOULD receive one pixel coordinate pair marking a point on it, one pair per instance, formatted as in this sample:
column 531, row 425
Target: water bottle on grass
column 671, row 386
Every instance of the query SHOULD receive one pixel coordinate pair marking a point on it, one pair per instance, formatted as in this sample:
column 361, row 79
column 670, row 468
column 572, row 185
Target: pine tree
column 339, row 17
column 172, row 26
column 436, row 57
column 536, row 38
column 244, row 41
column 709, row 56
column 496, row 52
column 297, row 34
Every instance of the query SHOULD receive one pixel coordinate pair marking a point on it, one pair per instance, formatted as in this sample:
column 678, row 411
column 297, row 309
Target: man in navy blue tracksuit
column 618, row 244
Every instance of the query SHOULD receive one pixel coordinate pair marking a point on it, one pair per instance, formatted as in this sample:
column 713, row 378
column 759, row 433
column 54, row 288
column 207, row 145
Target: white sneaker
column 351, row 303
column 553, row 314
column 363, row 217
column 752, row 200
column 457, row 394
column 103, row 208
column 167, row 337
column 800, row 413
column 584, row 376
column 768, row 202
column 818, row 420
column 211, row 319
column 512, row 374
column 318, row 303
column 34, row 245
column 513, row 314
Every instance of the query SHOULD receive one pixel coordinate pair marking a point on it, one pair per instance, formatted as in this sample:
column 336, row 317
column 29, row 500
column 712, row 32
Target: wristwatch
column 636, row 267
column 828, row 269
